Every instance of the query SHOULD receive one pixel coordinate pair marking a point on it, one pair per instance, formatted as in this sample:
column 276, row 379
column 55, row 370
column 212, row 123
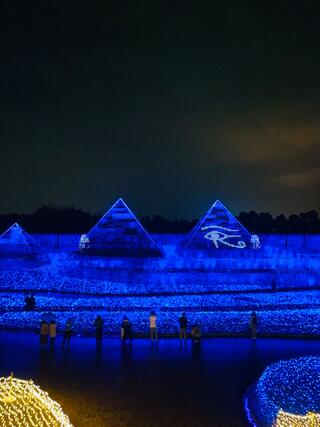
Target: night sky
column 170, row 104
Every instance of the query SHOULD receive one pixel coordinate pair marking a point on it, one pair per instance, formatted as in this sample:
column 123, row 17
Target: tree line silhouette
column 50, row 219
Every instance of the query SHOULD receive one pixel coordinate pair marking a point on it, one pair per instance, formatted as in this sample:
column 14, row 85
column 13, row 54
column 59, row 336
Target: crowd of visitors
column 49, row 330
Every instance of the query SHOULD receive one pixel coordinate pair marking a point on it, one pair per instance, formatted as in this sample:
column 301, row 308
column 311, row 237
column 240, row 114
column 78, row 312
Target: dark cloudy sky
column 170, row 104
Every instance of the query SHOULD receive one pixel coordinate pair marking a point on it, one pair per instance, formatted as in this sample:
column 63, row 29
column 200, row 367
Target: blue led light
column 16, row 242
column 119, row 233
column 217, row 288
column 291, row 386
column 218, row 229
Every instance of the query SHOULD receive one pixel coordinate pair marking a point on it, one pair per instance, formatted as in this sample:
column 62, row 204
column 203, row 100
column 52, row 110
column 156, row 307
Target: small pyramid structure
column 218, row 229
column 15, row 242
column 120, row 233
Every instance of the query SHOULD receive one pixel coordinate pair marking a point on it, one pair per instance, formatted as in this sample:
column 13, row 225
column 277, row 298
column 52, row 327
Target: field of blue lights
column 220, row 300
column 218, row 274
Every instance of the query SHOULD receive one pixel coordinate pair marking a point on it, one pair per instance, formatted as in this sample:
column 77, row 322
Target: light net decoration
column 22, row 403
column 286, row 395
column 284, row 419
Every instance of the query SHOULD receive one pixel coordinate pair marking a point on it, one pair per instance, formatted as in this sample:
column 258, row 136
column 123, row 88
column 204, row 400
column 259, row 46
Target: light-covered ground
column 218, row 292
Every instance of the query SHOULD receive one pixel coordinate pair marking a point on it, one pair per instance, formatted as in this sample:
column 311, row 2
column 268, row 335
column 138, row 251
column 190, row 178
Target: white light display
column 285, row 419
column 255, row 242
column 84, row 242
column 217, row 236
column 220, row 227
column 24, row 404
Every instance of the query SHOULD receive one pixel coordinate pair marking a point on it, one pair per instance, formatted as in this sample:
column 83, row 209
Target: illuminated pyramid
column 16, row 242
column 218, row 229
column 119, row 233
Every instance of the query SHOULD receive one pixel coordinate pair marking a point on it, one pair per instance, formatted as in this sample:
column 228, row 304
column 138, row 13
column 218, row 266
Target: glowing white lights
column 24, row 404
column 217, row 236
column 285, row 419
column 84, row 242
column 220, row 227
column 255, row 242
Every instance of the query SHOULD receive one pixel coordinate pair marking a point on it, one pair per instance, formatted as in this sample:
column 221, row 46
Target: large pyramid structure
column 119, row 233
column 15, row 242
column 218, row 229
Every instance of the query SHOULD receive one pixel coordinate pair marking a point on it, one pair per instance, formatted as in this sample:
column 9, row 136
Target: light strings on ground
column 24, row 404
column 284, row 419
column 287, row 394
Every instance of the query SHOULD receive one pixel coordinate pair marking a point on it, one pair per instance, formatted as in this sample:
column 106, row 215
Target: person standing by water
column 196, row 334
column 126, row 332
column 67, row 333
column 183, row 322
column 44, row 331
column 52, row 333
column 253, row 325
column 32, row 302
column 153, row 326
column 98, row 324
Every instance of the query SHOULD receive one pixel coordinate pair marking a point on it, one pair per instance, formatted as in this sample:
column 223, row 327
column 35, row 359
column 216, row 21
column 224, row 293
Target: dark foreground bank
column 144, row 385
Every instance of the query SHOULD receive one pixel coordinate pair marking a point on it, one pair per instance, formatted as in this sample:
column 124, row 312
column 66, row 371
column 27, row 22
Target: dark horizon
column 170, row 104
column 50, row 219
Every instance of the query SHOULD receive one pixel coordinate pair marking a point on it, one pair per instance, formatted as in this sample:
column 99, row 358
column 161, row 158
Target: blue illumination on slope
column 219, row 229
column 15, row 242
column 217, row 288
column 119, row 233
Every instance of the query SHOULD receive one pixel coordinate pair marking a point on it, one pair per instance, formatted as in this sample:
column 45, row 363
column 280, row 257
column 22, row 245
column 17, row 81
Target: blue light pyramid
column 218, row 229
column 119, row 233
column 15, row 242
